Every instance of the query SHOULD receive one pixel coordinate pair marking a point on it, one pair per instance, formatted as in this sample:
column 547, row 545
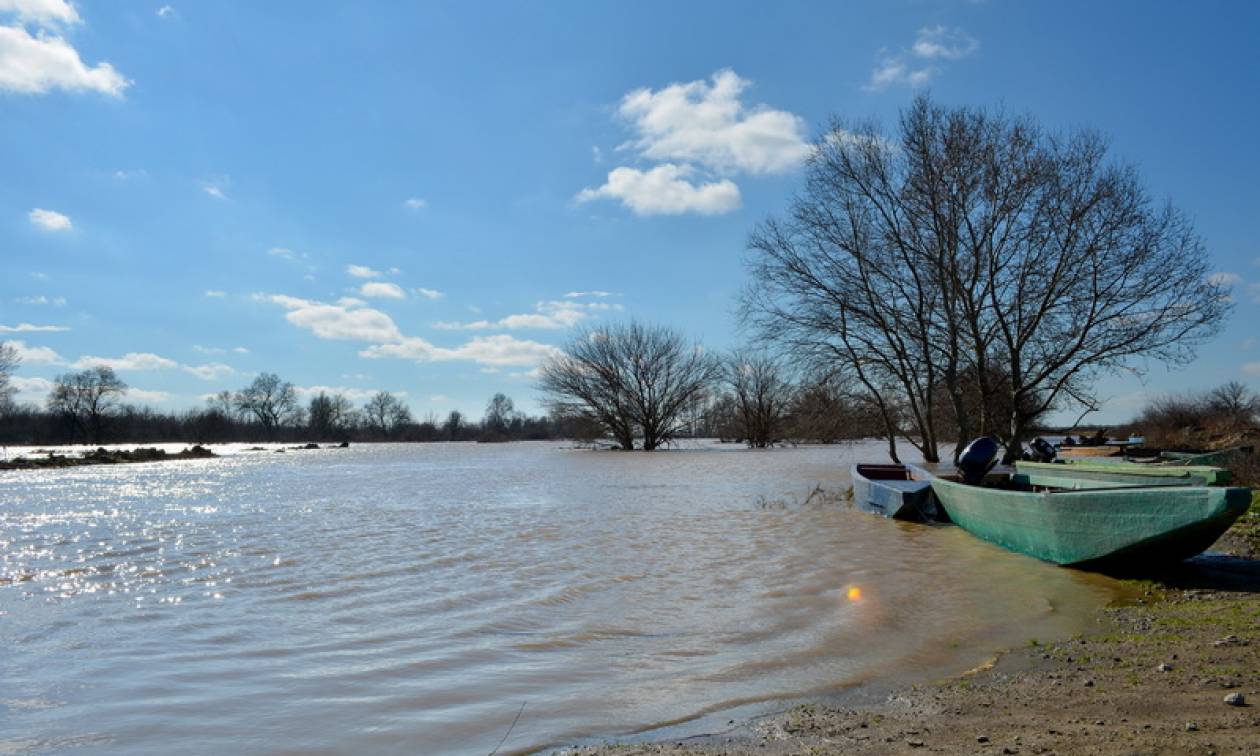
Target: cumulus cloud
column 49, row 220
column 165, row 11
column 496, row 350
column 42, row 300
column 35, row 355
column 217, row 187
column 145, row 395
column 29, row 328
column 582, row 294
column 665, row 189
column 131, row 361
column 362, row 271
column 429, row 293
column 31, row 389
column 382, row 290
column 353, row 394
column 347, row 320
column 699, row 133
column 1225, row 279
column 35, row 63
column 215, row 293
column 917, row 66
column 210, row 371
column 415, row 204
column 706, row 123
column 548, row 315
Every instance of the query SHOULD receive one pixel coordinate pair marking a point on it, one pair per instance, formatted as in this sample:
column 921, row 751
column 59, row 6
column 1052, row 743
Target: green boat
column 1212, row 476
column 1185, row 459
column 1092, row 522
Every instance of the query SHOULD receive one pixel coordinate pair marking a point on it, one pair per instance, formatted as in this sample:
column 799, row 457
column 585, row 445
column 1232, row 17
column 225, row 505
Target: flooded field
column 413, row 598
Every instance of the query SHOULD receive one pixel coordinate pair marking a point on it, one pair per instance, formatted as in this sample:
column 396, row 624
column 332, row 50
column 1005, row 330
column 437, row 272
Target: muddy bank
column 104, row 456
column 1177, row 671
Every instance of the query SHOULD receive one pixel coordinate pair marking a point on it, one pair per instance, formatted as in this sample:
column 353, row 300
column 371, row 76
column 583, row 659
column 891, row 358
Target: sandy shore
column 1153, row 677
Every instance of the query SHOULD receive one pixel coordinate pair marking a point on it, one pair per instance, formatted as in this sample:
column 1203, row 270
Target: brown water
column 411, row 598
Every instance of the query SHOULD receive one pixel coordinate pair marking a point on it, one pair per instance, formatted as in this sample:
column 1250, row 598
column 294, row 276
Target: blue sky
column 426, row 198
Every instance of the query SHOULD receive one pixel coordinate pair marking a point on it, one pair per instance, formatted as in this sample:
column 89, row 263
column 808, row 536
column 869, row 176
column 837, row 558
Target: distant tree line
column 90, row 407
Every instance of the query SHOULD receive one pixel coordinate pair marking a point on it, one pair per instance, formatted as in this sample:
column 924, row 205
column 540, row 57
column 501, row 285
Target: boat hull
column 1092, row 526
column 1210, row 475
column 893, row 491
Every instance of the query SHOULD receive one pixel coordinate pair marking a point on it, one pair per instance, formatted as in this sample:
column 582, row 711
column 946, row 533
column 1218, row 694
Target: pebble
column 915, row 743
column 1191, row 727
column 982, row 739
column 1236, row 699
column 1089, row 683
column 1165, row 667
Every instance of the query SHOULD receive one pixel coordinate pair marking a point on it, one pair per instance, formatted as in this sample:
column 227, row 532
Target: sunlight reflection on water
column 411, row 597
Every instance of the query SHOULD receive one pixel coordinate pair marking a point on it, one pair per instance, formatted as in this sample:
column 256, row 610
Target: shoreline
column 1151, row 677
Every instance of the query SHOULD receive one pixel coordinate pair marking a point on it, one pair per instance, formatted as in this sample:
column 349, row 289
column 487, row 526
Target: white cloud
column 41, row 12
column 439, row 398
column 216, row 188
column 913, row 67
column 706, row 123
column 240, row 350
column 35, row 355
column 944, row 43
column 499, row 349
column 42, row 300
column 49, row 220
column 347, row 322
column 362, row 271
column 34, row 64
column 165, row 11
column 211, row 371
column 548, row 315
column 597, row 154
column 416, row 204
column 1251, row 368
column 665, row 190
column 215, row 293
column 28, row 328
column 429, row 293
column 31, row 389
column 1225, row 279
column 382, row 290
column 207, row 350
column 129, row 361
column 353, row 394
column 284, row 253
column 145, row 395
column 580, row 294
column 122, row 175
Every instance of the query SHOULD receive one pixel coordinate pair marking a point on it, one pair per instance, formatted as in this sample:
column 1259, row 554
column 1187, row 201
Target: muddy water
column 413, row 598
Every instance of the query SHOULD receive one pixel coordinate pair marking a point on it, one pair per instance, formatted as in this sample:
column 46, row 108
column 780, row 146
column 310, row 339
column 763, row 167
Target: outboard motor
column 978, row 459
column 1043, row 450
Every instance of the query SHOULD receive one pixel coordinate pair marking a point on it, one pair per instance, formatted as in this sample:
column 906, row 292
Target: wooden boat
column 1077, row 452
column 1212, row 476
column 898, row 491
column 1088, row 524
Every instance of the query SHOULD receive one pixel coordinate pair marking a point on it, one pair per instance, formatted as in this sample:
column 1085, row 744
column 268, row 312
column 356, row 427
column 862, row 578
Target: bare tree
column 86, row 399
column 454, row 424
column 270, row 401
column 385, row 412
column 976, row 254
column 1235, row 402
column 9, row 362
column 761, row 397
column 500, row 412
column 329, row 416
column 631, row 379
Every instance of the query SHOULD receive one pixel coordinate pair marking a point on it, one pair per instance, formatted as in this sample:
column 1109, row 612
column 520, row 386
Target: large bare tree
column 976, row 257
column 86, row 399
column 635, row 380
column 269, row 400
column 385, row 412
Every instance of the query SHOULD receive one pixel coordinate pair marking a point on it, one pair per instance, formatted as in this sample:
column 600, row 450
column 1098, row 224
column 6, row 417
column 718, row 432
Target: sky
column 428, row 198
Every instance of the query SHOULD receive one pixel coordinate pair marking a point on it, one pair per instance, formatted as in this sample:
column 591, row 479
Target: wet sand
column 1152, row 677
